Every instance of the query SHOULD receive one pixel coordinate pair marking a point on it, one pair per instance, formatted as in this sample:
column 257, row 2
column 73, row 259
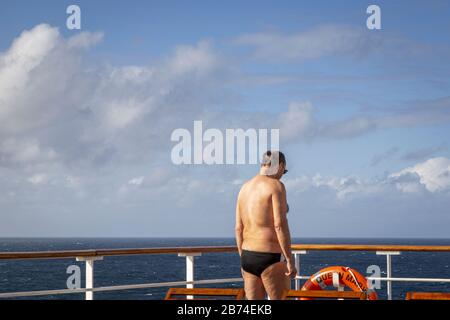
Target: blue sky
column 86, row 116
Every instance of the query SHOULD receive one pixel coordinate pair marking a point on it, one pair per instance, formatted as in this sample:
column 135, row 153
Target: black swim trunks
column 256, row 262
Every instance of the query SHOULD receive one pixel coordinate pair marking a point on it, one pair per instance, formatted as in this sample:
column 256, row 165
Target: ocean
column 30, row 275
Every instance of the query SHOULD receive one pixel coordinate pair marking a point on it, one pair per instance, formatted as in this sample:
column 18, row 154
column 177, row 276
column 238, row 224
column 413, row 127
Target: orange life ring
column 347, row 277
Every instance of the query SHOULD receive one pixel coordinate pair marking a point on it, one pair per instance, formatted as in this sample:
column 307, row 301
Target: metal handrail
column 211, row 249
column 116, row 288
column 89, row 256
column 110, row 252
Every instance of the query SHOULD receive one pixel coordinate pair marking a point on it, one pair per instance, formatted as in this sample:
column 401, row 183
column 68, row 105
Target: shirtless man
column 262, row 231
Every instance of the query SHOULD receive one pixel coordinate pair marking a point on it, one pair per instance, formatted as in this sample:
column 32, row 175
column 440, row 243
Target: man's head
column 273, row 164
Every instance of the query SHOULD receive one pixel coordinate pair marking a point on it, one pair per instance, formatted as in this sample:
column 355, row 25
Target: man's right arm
column 239, row 228
column 279, row 205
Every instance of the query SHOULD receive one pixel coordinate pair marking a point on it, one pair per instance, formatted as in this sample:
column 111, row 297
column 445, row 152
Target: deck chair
column 238, row 294
column 323, row 294
column 427, row 296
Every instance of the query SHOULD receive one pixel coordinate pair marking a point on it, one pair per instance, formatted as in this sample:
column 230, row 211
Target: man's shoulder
column 278, row 185
column 245, row 185
column 274, row 185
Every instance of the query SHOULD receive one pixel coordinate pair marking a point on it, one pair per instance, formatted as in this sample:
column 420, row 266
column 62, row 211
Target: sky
column 86, row 115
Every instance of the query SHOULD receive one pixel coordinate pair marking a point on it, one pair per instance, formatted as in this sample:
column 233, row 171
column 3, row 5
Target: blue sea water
column 30, row 275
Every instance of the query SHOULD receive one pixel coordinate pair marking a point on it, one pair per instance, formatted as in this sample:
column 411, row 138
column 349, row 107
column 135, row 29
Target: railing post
column 89, row 274
column 190, row 268
column 337, row 283
column 388, row 255
column 297, row 254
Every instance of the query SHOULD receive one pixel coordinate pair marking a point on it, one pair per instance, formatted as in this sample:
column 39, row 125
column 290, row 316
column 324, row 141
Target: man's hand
column 292, row 271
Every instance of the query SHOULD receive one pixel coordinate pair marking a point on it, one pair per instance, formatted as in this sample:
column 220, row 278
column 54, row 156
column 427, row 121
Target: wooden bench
column 238, row 294
column 427, row 296
column 323, row 294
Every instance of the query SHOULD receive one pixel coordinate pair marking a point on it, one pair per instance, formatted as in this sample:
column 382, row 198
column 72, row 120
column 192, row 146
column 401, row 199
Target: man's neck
column 263, row 172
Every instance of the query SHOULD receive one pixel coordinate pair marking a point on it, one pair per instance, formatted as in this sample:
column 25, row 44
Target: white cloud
column 311, row 44
column 343, row 188
column 431, row 176
column 25, row 54
column 348, row 128
column 38, row 178
column 137, row 181
column 424, row 153
column 434, row 174
column 237, row 182
column 73, row 180
column 40, row 79
column 19, row 152
column 386, row 155
column 119, row 115
column 84, row 40
column 157, row 178
column 407, row 182
column 188, row 59
column 297, row 121
column 334, row 40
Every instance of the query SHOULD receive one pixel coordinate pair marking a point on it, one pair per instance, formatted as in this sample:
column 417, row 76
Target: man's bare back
column 255, row 202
